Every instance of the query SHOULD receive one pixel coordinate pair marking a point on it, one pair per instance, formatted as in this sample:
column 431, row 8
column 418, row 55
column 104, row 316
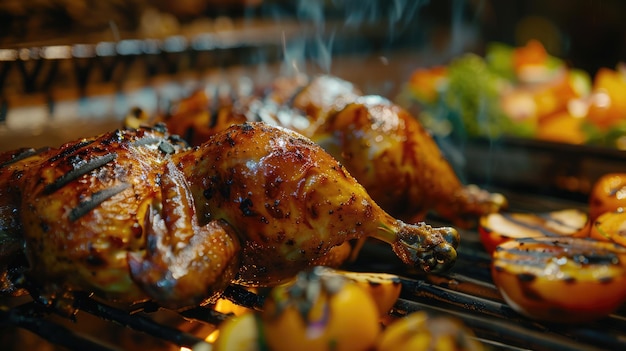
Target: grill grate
column 466, row 293
column 32, row 316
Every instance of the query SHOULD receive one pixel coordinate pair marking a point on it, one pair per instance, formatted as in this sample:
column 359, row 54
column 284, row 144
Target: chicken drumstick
column 385, row 148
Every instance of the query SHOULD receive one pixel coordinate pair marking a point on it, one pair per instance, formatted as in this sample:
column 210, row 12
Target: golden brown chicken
column 134, row 214
column 385, row 148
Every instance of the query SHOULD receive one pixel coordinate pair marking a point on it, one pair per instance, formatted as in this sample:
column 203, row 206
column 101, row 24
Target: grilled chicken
column 385, row 148
column 136, row 214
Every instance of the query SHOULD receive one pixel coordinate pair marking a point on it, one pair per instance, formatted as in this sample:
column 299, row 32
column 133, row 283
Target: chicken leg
column 385, row 148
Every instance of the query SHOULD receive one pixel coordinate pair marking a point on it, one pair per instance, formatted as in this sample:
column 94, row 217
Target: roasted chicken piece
column 384, row 147
column 135, row 214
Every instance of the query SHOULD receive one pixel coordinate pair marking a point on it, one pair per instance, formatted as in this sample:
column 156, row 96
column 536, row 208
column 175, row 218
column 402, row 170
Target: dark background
column 587, row 33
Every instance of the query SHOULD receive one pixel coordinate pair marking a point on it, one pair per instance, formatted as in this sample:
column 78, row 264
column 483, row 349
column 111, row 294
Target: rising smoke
column 331, row 27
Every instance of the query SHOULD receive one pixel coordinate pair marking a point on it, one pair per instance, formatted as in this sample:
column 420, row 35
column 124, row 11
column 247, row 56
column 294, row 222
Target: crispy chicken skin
column 384, row 147
column 135, row 214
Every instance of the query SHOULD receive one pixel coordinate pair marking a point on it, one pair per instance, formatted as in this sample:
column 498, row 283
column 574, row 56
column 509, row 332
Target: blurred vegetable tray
column 539, row 167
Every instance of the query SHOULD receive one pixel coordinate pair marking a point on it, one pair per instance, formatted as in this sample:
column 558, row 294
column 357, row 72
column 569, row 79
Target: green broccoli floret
column 499, row 59
column 473, row 93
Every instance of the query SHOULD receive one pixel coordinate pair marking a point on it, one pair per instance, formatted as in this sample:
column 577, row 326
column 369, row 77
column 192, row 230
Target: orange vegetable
column 425, row 83
column 608, row 102
column 533, row 53
column 567, row 280
column 554, row 96
column 530, row 60
column 384, row 288
column 608, row 194
column 320, row 312
column 562, row 128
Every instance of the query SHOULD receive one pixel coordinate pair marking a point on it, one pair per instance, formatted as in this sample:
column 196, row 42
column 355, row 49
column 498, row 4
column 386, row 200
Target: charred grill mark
column 160, row 127
column 526, row 277
column 95, row 200
column 24, row 154
column 146, row 141
column 546, row 218
column 109, row 140
column 595, row 258
column 247, row 127
column 230, row 140
column 176, row 139
column 585, row 258
column 166, row 148
column 70, row 150
column 165, row 145
column 80, row 170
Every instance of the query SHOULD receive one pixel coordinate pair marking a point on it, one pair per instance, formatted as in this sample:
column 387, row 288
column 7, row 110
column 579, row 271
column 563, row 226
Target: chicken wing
column 136, row 214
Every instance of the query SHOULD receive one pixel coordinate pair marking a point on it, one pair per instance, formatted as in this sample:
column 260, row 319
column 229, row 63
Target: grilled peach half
column 566, row 280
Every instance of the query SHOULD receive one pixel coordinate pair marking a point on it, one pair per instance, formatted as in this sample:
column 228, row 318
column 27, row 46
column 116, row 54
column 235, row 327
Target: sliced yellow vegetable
column 384, row 288
column 239, row 333
column 319, row 312
column 421, row 331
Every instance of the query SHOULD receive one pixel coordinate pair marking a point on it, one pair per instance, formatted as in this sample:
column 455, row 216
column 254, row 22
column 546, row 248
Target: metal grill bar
column 30, row 316
column 606, row 333
column 507, row 335
column 136, row 322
